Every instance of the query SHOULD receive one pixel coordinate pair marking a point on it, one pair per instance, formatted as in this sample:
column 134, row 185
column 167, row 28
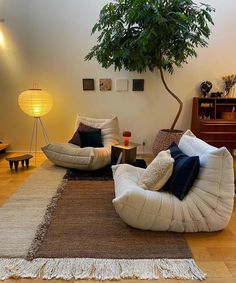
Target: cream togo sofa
column 207, row 207
column 88, row 158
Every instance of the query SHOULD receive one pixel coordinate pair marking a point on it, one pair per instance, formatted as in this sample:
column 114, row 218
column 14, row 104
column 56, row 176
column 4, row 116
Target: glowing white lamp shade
column 2, row 37
column 35, row 102
column 2, row 40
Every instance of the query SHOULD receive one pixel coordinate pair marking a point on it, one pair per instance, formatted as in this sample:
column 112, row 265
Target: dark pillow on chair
column 76, row 137
column 185, row 171
column 91, row 138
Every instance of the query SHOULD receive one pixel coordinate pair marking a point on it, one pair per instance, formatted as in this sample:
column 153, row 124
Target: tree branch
column 174, row 96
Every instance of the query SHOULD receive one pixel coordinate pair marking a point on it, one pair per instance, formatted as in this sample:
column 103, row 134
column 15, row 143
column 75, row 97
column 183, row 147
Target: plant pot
column 164, row 139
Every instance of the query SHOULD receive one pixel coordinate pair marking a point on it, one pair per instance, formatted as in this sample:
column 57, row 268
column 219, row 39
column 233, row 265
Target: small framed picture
column 138, row 84
column 88, row 84
column 105, row 84
column 121, row 85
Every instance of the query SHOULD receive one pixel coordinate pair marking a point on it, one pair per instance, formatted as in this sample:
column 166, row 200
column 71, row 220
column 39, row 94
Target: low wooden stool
column 15, row 160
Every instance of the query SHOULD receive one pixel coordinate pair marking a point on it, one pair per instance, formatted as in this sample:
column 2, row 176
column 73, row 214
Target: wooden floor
column 215, row 253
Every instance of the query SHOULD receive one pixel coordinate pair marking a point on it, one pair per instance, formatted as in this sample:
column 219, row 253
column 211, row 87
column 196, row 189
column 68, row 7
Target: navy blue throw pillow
column 92, row 138
column 185, row 171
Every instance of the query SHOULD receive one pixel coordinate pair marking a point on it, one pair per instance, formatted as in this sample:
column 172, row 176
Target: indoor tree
column 140, row 35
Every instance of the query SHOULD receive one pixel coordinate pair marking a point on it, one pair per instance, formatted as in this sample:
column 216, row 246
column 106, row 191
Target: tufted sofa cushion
column 207, row 207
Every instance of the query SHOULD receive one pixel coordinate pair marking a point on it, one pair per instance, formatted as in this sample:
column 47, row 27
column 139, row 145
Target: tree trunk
column 175, row 97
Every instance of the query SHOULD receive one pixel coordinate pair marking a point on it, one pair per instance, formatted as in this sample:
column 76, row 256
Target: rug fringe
column 99, row 269
column 43, row 226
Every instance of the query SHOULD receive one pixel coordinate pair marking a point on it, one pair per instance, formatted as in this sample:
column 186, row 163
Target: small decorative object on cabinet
column 205, row 88
column 214, row 121
column 217, row 94
column 229, row 81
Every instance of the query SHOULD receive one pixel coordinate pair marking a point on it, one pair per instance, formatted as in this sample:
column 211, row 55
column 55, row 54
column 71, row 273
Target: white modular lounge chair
column 88, row 158
column 207, row 207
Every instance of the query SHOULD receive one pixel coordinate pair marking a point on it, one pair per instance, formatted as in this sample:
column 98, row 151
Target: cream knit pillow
column 158, row 172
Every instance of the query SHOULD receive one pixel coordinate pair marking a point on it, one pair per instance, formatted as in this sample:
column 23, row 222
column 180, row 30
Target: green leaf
column 150, row 34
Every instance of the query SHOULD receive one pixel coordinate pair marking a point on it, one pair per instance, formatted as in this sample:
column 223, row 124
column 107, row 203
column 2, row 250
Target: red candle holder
column 126, row 135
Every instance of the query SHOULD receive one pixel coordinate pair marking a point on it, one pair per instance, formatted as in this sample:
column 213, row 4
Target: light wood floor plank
column 222, row 253
column 209, row 280
column 231, row 265
column 215, row 269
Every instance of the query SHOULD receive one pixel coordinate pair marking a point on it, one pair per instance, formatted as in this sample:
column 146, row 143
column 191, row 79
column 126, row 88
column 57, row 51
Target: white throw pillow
column 158, row 172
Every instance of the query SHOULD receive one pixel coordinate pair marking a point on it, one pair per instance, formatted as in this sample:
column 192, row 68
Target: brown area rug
column 85, row 225
column 81, row 237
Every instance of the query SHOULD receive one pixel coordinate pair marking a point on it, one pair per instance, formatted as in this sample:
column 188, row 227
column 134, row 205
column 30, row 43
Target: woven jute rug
column 85, row 225
column 80, row 236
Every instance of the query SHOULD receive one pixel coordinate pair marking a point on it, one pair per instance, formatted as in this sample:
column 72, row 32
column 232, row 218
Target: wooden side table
column 124, row 154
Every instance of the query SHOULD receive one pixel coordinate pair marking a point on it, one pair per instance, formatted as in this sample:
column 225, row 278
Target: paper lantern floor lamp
column 36, row 103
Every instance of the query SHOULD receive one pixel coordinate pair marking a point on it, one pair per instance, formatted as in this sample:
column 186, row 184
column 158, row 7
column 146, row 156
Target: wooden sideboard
column 214, row 122
column 3, row 147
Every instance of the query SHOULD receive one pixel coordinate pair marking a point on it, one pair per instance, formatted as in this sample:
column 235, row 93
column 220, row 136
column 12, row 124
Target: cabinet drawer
column 229, row 144
column 218, row 127
column 219, row 136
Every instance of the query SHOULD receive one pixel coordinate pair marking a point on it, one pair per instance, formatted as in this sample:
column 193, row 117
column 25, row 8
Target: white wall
column 47, row 42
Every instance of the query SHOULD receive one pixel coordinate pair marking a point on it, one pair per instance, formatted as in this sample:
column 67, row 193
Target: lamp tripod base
column 38, row 123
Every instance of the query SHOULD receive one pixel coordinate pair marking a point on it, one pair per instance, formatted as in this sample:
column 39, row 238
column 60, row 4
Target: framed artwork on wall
column 122, row 85
column 88, row 84
column 105, row 84
column 138, row 85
